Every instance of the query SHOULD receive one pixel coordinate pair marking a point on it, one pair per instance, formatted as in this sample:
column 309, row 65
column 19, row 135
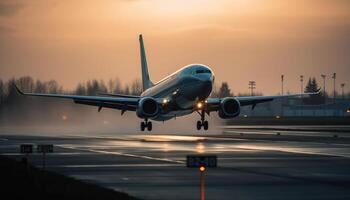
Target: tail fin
column 146, row 82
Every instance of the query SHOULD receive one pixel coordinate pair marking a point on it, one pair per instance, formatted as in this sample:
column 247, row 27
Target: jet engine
column 229, row 108
column 147, row 108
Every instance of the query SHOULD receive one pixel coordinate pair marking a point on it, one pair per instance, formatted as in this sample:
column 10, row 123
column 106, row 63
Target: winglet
column 18, row 90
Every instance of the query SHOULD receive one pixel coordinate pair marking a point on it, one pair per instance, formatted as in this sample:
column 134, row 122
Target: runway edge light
column 201, row 162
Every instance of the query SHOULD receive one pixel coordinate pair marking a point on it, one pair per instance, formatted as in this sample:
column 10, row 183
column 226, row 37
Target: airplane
column 181, row 93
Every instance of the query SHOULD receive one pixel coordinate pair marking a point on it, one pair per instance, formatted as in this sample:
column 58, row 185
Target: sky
column 72, row 41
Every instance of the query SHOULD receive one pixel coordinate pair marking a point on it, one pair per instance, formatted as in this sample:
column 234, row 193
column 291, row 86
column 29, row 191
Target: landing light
column 199, row 105
column 348, row 110
column 202, row 168
column 165, row 101
column 278, row 117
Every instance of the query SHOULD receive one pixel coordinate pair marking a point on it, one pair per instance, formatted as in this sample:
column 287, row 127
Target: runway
column 249, row 166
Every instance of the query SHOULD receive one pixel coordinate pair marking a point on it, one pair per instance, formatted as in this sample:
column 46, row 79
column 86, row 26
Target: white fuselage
column 182, row 90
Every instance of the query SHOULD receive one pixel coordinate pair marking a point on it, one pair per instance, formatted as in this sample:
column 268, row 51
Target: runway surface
column 249, row 166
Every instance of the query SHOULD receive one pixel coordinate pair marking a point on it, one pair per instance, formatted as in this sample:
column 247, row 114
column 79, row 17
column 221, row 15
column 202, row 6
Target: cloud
column 8, row 8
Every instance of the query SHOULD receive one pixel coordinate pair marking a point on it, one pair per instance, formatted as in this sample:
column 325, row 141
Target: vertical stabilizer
column 146, row 82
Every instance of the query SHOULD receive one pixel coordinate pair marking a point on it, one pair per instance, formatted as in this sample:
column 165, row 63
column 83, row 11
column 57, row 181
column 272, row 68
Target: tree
column 115, row 86
column 40, row 87
column 224, row 90
column 52, row 86
column 80, row 90
column 2, row 91
column 102, row 88
column 126, row 90
column 11, row 95
column 26, row 83
column 136, row 87
column 91, row 87
column 312, row 86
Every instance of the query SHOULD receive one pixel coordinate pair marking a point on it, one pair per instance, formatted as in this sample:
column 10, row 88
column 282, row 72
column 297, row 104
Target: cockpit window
column 203, row 71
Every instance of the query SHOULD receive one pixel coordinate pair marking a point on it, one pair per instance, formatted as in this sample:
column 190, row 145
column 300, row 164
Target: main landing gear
column 146, row 124
column 202, row 122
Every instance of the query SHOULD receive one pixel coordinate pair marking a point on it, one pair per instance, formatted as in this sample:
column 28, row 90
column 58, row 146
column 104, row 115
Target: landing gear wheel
column 202, row 122
column 205, row 125
column 149, row 126
column 142, row 126
column 199, row 125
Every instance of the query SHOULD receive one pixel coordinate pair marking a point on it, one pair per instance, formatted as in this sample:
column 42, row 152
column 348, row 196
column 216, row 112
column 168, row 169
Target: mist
column 69, row 119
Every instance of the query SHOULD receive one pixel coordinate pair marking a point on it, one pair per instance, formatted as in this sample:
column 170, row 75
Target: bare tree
column 136, row 87
column 102, row 87
column 26, row 83
column 80, row 89
column 2, row 91
column 52, row 86
column 40, row 87
column 126, row 90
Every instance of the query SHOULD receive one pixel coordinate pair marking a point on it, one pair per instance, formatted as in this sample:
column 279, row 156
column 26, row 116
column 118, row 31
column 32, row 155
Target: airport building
column 294, row 107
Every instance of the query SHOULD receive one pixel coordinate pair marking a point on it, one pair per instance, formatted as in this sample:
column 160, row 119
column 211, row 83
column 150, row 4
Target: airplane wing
column 118, row 95
column 120, row 103
column 214, row 103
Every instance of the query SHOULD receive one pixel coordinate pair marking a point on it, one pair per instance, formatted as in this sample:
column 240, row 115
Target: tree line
column 8, row 94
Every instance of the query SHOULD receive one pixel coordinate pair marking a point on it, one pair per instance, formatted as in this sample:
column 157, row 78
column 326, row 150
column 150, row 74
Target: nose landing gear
column 146, row 124
column 202, row 122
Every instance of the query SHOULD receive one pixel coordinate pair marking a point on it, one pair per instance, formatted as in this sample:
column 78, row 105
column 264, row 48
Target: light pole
column 324, row 84
column 342, row 90
column 301, row 83
column 324, row 93
column 282, row 79
column 301, row 91
column 252, row 85
column 334, row 76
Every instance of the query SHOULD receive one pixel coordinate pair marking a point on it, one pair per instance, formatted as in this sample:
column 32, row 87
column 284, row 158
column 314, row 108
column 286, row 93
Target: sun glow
column 200, row 148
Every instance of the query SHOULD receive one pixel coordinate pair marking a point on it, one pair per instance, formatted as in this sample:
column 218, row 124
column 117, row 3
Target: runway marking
column 117, row 165
column 123, row 154
column 55, row 153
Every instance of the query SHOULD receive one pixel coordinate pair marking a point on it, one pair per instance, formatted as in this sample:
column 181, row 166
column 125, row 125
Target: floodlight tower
column 324, row 84
column 301, row 83
column 282, row 79
column 252, row 85
column 342, row 90
column 334, row 76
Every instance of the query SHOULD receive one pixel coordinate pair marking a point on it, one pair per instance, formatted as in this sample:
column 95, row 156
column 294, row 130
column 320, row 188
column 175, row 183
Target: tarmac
column 261, row 162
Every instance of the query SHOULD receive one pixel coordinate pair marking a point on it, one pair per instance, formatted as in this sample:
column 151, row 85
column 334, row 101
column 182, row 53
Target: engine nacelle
column 229, row 108
column 148, row 107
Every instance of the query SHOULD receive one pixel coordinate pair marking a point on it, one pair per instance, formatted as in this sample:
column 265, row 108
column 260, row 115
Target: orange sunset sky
column 72, row 41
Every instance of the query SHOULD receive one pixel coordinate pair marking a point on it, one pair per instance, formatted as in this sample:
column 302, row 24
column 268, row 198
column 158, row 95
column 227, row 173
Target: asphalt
column 249, row 166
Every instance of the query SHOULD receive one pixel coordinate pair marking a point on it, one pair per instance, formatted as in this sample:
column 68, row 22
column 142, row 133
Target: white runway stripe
column 122, row 154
